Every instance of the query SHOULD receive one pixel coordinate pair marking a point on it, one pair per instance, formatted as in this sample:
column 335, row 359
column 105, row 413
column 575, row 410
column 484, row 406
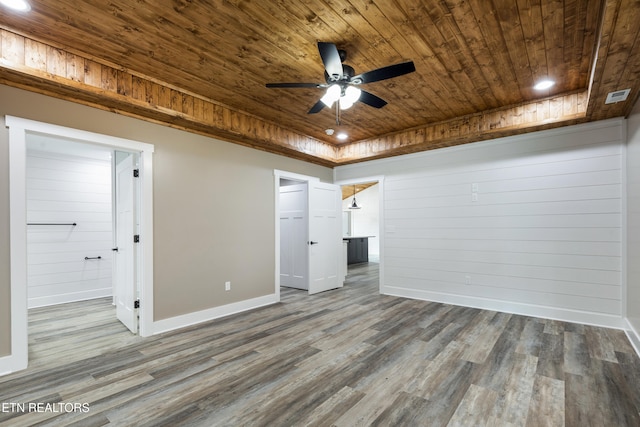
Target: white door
column 124, row 260
column 325, row 236
column 293, row 236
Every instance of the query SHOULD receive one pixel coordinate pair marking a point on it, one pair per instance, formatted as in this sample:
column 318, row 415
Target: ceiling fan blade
column 372, row 100
column 294, row 85
column 331, row 59
column 317, row 107
column 384, row 73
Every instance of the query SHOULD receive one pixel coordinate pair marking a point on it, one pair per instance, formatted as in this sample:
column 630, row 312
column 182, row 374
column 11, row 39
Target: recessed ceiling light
column 19, row 5
column 544, row 84
column 342, row 136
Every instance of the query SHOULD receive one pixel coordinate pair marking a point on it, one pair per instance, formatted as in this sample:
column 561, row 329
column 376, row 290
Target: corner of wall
column 633, row 336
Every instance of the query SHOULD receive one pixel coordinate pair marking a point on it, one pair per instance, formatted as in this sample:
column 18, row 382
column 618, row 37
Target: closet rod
column 52, row 223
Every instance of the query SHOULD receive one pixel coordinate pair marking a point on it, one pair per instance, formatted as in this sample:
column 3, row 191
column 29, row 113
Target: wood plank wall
column 543, row 237
column 62, row 189
column 541, row 114
column 633, row 224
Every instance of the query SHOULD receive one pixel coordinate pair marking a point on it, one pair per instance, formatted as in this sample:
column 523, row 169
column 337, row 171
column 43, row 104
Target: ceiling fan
column 342, row 82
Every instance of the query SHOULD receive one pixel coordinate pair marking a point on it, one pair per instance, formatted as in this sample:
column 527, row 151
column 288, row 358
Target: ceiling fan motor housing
column 347, row 73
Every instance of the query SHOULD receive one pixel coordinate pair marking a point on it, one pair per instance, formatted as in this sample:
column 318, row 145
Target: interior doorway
column 362, row 210
column 20, row 131
column 69, row 221
column 308, row 233
column 82, row 216
column 294, row 215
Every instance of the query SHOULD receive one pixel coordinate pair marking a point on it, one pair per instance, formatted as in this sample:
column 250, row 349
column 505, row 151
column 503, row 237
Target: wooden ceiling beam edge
column 616, row 58
column 41, row 68
column 551, row 112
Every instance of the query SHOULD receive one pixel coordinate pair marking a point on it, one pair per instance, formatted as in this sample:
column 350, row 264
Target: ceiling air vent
column 617, row 96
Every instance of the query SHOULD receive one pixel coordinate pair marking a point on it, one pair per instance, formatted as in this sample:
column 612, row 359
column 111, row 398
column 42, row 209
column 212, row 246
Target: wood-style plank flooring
column 349, row 357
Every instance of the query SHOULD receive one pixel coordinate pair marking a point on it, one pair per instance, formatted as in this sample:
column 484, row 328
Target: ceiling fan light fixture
column 340, row 79
column 344, row 103
column 351, row 95
column 331, row 96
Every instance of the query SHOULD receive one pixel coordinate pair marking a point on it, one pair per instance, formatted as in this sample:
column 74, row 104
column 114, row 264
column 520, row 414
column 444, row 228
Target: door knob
column 312, row 243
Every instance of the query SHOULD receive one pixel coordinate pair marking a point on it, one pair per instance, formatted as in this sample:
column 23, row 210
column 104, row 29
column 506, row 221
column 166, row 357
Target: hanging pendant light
column 354, row 205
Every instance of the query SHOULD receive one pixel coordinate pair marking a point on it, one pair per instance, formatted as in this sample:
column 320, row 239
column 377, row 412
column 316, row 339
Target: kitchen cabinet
column 358, row 249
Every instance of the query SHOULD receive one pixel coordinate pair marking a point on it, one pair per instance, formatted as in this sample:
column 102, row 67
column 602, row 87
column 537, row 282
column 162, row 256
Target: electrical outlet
column 474, row 197
column 474, row 187
column 227, row 286
column 467, row 280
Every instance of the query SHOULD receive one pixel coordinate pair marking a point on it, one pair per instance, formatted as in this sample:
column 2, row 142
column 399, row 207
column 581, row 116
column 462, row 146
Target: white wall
column 543, row 237
column 67, row 188
column 365, row 221
column 633, row 225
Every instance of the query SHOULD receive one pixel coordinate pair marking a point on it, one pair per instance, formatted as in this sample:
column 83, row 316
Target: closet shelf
column 52, row 223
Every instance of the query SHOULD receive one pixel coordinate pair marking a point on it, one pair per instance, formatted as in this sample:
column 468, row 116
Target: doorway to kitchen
column 362, row 219
column 308, row 233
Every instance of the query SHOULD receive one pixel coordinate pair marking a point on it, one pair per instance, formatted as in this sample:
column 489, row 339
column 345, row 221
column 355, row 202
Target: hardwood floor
column 349, row 357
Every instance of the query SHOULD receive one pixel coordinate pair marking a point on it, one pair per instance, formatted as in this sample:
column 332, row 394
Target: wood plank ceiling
column 202, row 66
column 349, row 191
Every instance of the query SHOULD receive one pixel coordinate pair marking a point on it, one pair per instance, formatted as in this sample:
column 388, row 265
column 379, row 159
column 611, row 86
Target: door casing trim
column 19, row 128
column 277, row 175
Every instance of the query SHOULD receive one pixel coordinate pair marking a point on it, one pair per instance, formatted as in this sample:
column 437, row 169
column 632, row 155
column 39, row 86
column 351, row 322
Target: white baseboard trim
column 5, row 365
column 10, row 364
column 565, row 315
column 70, row 297
column 185, row 320
column 633, row 336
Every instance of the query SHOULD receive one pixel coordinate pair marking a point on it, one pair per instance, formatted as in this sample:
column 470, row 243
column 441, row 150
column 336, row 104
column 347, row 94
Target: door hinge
column 136, row 173
column 136, row 238
column 136, row 304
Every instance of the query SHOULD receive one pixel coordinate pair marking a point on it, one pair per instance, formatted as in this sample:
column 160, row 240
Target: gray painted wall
column 213, row 207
